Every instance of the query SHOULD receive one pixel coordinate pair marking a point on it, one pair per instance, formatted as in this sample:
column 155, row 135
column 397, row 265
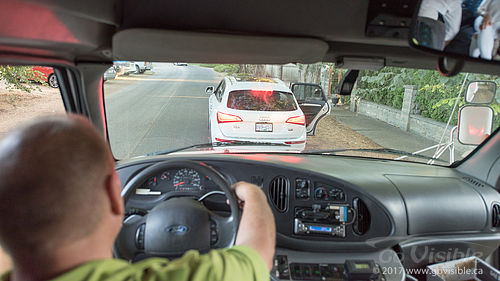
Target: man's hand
column 486, row 21
column 257, row 228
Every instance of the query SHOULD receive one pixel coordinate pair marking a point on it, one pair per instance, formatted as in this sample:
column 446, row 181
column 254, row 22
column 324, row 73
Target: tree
column 21, row 77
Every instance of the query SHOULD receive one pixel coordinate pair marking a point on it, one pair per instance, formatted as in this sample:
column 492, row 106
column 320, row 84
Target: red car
column 46, row 74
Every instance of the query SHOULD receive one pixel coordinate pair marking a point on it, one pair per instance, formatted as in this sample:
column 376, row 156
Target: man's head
column 57, row 186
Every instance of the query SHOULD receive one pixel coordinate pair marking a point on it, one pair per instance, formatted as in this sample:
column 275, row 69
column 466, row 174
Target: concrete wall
column 381, row 112
column 417, row 124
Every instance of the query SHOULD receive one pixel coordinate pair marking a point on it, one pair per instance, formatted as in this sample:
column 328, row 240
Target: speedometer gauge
column 187, row 180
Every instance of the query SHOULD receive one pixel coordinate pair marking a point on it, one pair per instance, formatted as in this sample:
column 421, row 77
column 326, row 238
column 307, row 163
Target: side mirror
column 209, row 90
column 346, row 86
column 480, row 92
column 474, row 124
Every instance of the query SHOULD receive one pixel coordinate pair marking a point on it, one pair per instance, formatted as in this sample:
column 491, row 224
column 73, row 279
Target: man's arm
column 250, row 260
column 5, row 263
column 257, row 228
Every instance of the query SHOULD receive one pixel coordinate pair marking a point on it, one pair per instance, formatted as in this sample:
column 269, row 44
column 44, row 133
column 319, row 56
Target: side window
column 220, row 90
column 304, row 92
column 27, row 93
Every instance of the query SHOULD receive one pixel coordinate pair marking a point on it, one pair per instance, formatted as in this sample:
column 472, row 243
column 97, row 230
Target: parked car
column 128, row 67
column 141, row 66
column 181, row 63
column 124, row 67
column 46, row 74
column 110, row 74
column 255, row 109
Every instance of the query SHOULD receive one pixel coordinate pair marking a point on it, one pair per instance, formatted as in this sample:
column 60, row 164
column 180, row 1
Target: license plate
column 263, row 127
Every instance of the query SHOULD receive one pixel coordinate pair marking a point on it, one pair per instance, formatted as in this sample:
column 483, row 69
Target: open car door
column 313, row 102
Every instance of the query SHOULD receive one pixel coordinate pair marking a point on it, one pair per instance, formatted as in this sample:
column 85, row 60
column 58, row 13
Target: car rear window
column 261, row 100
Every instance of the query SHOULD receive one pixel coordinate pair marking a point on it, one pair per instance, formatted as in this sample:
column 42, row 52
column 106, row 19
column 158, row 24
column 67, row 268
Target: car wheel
column 137, row 69
column 52, row 80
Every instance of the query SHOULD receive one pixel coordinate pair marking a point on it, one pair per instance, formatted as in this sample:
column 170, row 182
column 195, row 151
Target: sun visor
column 174, row 46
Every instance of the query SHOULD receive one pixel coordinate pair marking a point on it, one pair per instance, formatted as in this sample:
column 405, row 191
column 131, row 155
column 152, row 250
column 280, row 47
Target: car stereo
column 330, row 219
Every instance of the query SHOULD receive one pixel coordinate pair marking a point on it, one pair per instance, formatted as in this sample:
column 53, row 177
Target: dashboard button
column 302, row 190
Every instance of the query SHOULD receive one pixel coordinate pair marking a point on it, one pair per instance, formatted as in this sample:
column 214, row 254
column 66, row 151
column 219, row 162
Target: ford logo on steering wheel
column 177, row 229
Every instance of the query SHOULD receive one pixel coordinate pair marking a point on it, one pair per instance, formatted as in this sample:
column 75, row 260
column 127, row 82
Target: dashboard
column 332, row 209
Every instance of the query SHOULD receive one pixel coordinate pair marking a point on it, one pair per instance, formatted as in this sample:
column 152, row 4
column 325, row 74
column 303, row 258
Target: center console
column 295, row 265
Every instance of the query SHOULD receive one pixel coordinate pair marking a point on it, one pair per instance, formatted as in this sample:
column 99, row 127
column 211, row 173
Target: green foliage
column 496, row 120
column 21, row 77
column 227, row 68
column 209, row 65
column 436, row 94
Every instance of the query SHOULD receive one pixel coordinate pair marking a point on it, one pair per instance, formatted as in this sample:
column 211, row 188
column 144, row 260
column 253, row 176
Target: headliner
column 83, row 31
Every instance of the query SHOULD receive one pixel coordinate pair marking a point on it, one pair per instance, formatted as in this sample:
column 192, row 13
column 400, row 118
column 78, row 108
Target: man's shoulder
column 236, row 263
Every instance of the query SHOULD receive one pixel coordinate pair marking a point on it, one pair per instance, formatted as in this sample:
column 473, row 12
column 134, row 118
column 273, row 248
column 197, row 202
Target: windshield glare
column 393, row 113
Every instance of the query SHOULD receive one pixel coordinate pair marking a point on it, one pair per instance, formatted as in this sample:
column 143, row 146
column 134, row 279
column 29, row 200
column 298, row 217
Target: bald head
column 53, row 174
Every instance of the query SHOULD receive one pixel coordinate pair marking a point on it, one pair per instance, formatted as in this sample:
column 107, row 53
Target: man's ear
column 113, row 188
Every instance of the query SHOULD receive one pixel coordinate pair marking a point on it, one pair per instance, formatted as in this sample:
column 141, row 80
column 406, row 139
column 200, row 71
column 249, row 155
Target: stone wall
column 417, row 124
column 381, row 112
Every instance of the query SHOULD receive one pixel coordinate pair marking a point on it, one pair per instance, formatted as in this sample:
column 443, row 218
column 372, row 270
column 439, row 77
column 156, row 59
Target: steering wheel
column 177, row 224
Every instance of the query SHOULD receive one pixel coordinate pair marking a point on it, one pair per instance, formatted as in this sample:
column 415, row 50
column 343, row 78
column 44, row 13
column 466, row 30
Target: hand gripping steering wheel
column 177, row 224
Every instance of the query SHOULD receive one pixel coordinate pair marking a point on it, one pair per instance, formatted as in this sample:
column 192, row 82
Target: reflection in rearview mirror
column 474, row 124
column 467, row 28
column 480, row 92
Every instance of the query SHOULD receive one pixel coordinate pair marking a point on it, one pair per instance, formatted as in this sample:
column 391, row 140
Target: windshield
column 393, row 113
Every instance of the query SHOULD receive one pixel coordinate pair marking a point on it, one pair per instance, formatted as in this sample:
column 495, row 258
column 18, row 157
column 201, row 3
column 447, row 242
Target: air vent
column 278, row 191
column 495, row 215
column 473, row 181
column 363, row 220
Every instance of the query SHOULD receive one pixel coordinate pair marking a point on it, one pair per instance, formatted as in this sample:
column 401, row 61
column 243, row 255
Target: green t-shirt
column 240, row 263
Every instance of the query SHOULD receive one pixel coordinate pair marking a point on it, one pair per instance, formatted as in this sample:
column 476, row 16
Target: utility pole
column 329, row 82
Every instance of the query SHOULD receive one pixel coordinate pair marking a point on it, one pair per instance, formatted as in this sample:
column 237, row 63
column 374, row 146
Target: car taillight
column 295, row 142
column 298, row 120
column 223, row 140
column 227, row 118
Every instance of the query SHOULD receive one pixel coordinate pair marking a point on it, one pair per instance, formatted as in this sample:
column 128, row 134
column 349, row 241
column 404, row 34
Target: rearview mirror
column 480, row 92
column 474, row 124
column 209, row 90
column 465, row 29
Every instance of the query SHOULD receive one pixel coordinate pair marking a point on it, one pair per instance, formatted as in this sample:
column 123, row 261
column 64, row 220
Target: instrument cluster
column 185, row 180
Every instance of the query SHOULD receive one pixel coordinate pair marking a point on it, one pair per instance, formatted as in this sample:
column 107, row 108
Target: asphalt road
column 161, row 109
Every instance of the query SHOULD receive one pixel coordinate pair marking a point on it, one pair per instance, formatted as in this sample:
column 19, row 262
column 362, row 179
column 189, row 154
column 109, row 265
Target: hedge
column 436, row 94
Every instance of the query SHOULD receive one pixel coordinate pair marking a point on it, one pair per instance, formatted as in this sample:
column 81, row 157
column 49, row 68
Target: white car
column 124, row 67
column 255, row 110
column 142, row 66
column 128, row 67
